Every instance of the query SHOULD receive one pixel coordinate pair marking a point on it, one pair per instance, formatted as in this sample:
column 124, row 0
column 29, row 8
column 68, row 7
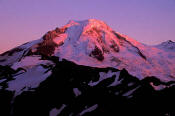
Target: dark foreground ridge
column 68, row 90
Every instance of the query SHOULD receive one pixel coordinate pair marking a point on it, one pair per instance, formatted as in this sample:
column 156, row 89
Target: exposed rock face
column 48, row 46
column 97, row 53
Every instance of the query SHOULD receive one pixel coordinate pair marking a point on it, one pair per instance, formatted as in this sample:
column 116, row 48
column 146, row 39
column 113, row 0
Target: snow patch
column 76, row 91
column 130, row 84
column 128, row 94
column 29, row 62
column 90, row 109
column 116, row 82
column 56, row 112
column 2, row 80
column 160, row 87
column 103, row 76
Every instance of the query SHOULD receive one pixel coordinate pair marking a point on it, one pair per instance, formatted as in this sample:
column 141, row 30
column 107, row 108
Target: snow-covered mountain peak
column 93, row 43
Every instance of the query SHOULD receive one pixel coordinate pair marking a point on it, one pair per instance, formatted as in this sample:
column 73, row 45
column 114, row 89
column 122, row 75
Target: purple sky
column 148, row 21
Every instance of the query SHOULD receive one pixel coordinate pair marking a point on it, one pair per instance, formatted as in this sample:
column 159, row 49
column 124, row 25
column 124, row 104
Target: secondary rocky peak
column 168, row 42
column 167, row 45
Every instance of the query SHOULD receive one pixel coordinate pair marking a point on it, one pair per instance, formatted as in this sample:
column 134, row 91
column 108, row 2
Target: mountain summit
column 167, row 46
column 85, row 68
column 93, row 43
